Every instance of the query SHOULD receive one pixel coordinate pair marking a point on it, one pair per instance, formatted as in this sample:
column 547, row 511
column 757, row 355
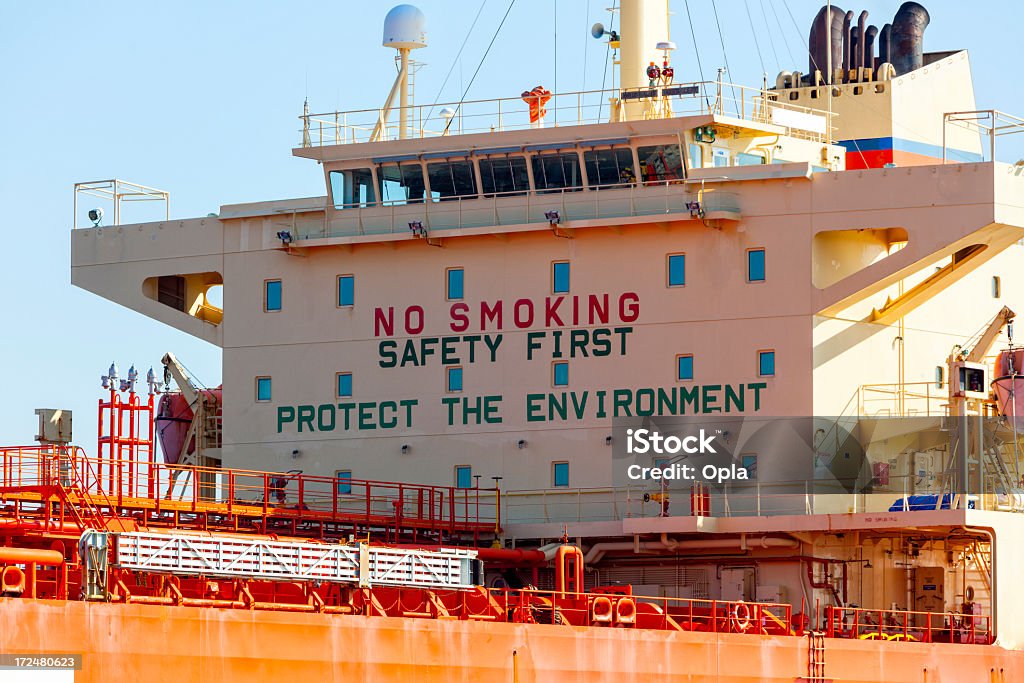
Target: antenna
column 405, row 29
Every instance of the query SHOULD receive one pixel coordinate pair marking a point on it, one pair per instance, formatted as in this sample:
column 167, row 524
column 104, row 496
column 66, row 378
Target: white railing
column 516, row 208
column 563, row 109
column 987, row 123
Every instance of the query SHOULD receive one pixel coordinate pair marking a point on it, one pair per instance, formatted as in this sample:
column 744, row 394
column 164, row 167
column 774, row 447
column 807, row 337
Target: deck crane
column 968, row 375
column 969, row 392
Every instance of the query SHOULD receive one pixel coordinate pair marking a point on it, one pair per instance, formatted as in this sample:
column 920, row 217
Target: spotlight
column 417, row 229
column 608, row 440
column 554, row 218
column 285, row 236
column 405, row 448
column 96, row 216
column 521, row 444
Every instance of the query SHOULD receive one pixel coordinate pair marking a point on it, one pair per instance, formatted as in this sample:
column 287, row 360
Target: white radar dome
column 405, row 26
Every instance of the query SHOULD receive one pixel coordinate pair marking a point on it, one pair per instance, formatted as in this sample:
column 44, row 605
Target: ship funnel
column 405, row 29
column 908, row 37
column 818, row 42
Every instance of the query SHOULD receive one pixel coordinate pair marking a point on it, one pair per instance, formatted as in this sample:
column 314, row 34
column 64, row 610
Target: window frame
column 568, row 277
column 775, row 369
column 668, row 269
column 555, row 465
column 678, row 174
column 537, row 160
column 337, row 384
column 679, row 377
column 555, row 365
column 448, row 284
column 467, row 468
column 593, row 183
column 429, row 192
column 270, row 386
column 745, row 456
column 338, row 479
column 338, row 292
column 764, row 264
column 266, row 295
column 448, row 370
column 491, row 161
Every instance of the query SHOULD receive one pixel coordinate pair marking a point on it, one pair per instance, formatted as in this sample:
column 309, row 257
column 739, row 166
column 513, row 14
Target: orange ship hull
column 183, row 644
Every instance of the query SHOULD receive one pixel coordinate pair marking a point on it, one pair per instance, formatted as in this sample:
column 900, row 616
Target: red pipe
column 23, row 555
column 37, row 525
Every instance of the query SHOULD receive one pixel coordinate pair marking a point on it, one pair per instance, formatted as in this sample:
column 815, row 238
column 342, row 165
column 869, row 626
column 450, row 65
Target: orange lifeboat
column 173, row 419
column 1009, row 386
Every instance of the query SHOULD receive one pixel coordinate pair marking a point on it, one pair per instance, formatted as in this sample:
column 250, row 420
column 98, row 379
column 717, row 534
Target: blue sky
column 201, row 99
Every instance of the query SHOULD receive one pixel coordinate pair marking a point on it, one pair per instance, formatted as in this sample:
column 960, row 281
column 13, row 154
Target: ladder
column 816, row 657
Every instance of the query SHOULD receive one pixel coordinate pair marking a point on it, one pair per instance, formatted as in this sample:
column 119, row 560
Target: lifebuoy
column 969, row 594
column 741, row 616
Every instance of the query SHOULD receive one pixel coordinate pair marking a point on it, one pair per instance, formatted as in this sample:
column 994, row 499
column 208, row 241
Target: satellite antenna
column 405, row 29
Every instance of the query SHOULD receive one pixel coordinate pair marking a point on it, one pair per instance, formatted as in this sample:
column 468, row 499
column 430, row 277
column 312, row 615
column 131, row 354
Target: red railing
column 926, row 627
column 155, row 493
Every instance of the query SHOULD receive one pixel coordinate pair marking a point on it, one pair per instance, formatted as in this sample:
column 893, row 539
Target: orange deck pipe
column 22, row 555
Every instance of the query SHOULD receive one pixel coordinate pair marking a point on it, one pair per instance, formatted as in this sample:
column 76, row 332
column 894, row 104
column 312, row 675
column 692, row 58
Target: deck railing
column 155, row 491
column 516, row 208
column 564, row 109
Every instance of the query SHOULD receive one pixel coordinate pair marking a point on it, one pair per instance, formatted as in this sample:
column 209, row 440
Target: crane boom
column 989, row 336
column 181, row 377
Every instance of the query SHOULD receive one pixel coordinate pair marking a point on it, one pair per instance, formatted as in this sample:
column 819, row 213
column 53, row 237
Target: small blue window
column 721, row 156
column 561, row 373
column 346, row 290
column 766, row 363
column 454, row 379
column 344, row 478
column 344, row 384
column 676, row 270
column 272, row 295
column 456, row 281
column 755, row 265
column 684, row 367
column 463, row 477
column 262, row 388
column 560, row 277
column 560, row 474
column 749, row 463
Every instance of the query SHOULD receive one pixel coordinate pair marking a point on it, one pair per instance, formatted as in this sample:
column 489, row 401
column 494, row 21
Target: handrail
column 874, row 624
column 570, row 108
column 159, row 488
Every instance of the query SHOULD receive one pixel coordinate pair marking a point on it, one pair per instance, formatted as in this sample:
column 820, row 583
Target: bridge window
column 344, row 479
column 344, row 384
column 997, row 287
column 696, row 156
column 750, row 159
column 504, row 176
column 748, row 461
column 263, row 389
column 456, row 285
column 560, row 474
column 662, row 163
column 352, row 188
column 451, row 180
column 940, row 376
column 609, row 167
column 401, row 183
column 272, row 295
column 766, row 363
column 557, row 171
column 463, row 477
column 720, row 156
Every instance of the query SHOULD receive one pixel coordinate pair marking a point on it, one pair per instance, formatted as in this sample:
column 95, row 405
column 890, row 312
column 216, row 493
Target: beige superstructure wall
column 819, row 328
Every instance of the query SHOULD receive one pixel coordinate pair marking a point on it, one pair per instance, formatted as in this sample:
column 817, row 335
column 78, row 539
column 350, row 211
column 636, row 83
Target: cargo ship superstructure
column 822, row 273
